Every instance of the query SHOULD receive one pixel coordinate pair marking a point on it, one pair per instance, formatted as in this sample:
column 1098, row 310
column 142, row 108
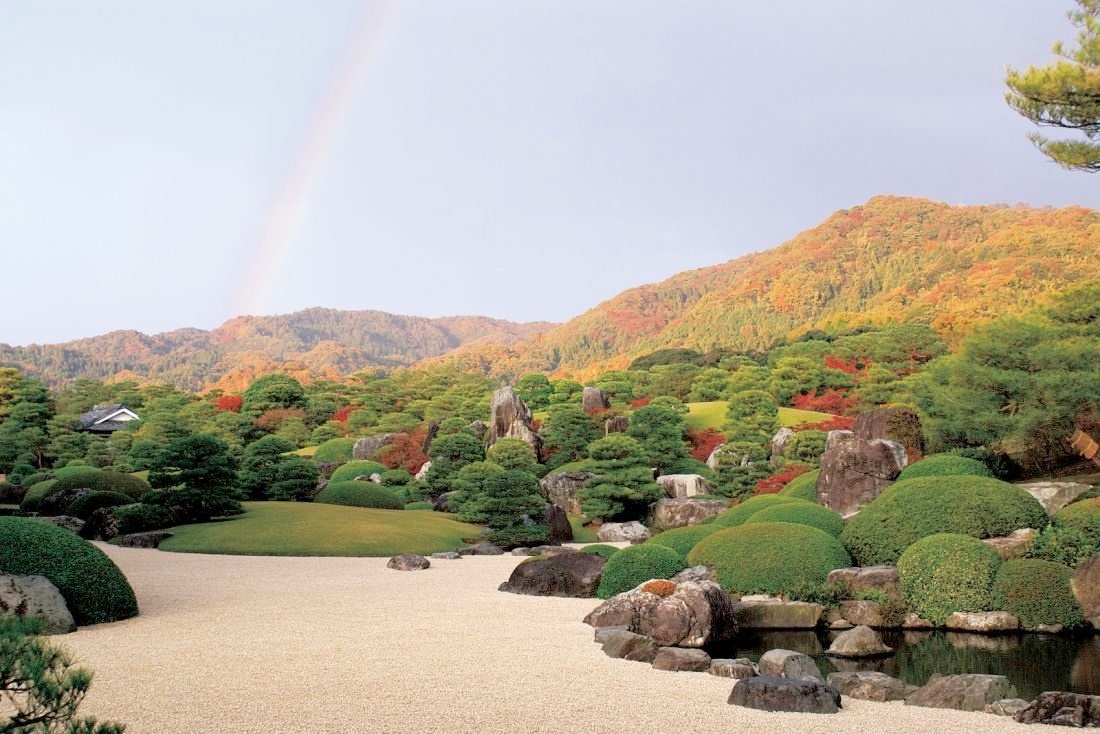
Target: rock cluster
column 854, row 471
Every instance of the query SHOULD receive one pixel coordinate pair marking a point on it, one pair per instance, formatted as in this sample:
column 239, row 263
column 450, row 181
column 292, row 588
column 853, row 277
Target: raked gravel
column 234, row 644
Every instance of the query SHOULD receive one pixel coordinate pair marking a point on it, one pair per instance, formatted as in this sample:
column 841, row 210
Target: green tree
column 709, row 384
column 468, row 486
column 295, row 480
column 448, row 455
column 623, row 487
column 566, row 391
column 752, row 416
column 566, row 434
column 24, row 432
column 740, row 465
column 513, row 509
column 535, row 390
column 1065, row 94
column 513, row 454
column 272, row 392
column 260, row 465
column 660, row 431
column 198, row 479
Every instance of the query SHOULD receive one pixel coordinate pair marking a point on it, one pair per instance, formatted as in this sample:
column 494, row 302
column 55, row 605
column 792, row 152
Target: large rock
column 35, row 596
column 677, row 659
column 620, row 643
column 12, row 494
column 594, row 399
column 863, row 612
column 854, row 471
column 983, row 622
column 623, row 532
column 666, row 513
column 442, row 503
column 695, row 614
column 148, row 539
column 1013, row 545
column 782, row 694
column 779, row 442
column 408, row 562
column 58, row 502
column 558, row 522
column 1053, row 496
column 481, row 549
column 565, row 574
column 1062, row 708
column 100, row 525
column 1006, row 707
column 1085, row 583
column 560, row 488
column 870, row 686
column 968, row 692
column 861, row 642
column 900, row 425
column 781, row 663
column 712, row 460
column 616, row 424
column 883, row 579
column 512, row 419
column 682, row 486
column 365, row 448
column 694, row 573
column 422, row 472
column 738, row 668
column 777, row 614
column 66, row 522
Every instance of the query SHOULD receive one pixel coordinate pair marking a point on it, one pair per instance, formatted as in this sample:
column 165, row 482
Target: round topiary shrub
column 738, row 514
column 682, row 540
column 140, row 517
column 600, row 549
column 981, row 507
column 770, row 558
column 353, row 469
column 32, row 479
column 1038, row 592
column 1083, row 516
column 945, row 465
column 84, row 506
column 100, row 481
column 93, row 587
column 802, row 487
column 35, row 494
column 419, row 506
column 635, row 565
column 72, row 469
column 334, row 450
column 801, row 513
column 947, row 573
column 359, row 494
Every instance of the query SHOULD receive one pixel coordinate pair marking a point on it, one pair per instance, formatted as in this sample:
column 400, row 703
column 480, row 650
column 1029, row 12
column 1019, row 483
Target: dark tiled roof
column 98, row 413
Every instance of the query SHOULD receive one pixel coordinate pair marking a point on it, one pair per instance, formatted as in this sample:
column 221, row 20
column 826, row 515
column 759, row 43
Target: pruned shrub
column 801, row 513
column 359, row 494
column 600, row 549
column 682, row 540
column 84, row 506
column 419, row 506
column 802, row 487
column 946, row 573
column 770, row 557
column 353, row 469
column 1038, row 592
column 945, row 465
column 93, row 479
column 635, row 565
column 981, row 507
column 1084, row 517
column 36, row 494
column 738, row 514
column 334, row 450
column 72, row 469
column 140, row 517
column 1063, row 544
column 94, row 589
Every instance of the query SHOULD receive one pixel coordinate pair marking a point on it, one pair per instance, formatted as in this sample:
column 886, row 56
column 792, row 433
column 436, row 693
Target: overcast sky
column 171, row 164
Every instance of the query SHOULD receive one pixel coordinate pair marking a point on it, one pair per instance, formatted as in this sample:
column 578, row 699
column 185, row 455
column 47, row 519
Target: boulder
column 560, row 488
column 616, row 424
column 860, row 642
column 442, row 503
column 1062, row 708
column 682, row 486
column 855, row 471
column 100, row 525
column 667, row 513
column 900, row 425
column 479, row 428
column 779, row 441
column 865, row 613
column 149, row 539
column 781, row 663
column 511, row 419
column 550, row 550
column 695, row 573
column 627, row 645
column 774, row 614
column 35, row 596
column 558, row 522
column 1085, row 583
column 632, row 532
column 447, row 555
column 967, row 692
column 481, row 549
column 695, row 614
column 1013, row 545
column 913, row 621
column 12, row 494
column 677, row 659
column 603, row 633
column 738, row 668
column 870, row 686
column 882, row 579
column 781, row 694
column 564, row 574
column 1053, row 496
column 67, row 522
column 1006, row 707
column 594, row 399
column 408, row 562
column 365, row 448
column 422, row 472
column 712, row 460
column 58, row 502
column 983, row 622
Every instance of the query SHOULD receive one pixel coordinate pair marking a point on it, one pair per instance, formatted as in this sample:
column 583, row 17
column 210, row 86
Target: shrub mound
column 1084, row 517
column 84, row 506
column 600, row 549
column 635, row 565
column 770, row 558
column 359, row 494
column 93, row 587
column 93, row 479
column 1038, row 592
column 738, row 514
column 682, row 540
column 140, row 517
column 35, row 494
column 801, row 513
column 946, row 573
column 419, row 506
column 981, row 507
column 945, row 465
column 334, row 450
column 71, row 469
column 353, row 469
column 802, row 487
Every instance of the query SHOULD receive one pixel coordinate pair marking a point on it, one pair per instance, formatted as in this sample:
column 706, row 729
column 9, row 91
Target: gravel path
column 231, row 644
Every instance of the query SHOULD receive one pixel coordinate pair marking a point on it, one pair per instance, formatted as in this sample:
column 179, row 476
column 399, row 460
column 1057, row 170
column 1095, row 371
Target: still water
column 1033, row 663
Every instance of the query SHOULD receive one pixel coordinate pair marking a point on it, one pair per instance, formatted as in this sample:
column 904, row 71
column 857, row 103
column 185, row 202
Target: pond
column 1033, row 663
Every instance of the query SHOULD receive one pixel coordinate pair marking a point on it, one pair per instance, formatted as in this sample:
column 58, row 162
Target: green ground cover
column 713, row 415
column 582, row 534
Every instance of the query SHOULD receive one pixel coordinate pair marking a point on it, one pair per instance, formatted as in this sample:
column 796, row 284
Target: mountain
column 310, row 344
column 893, row 259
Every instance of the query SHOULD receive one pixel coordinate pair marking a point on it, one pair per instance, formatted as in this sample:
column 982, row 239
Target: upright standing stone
column 855, row 471
column 900, row 425
column 511, row 418
column 594, row 399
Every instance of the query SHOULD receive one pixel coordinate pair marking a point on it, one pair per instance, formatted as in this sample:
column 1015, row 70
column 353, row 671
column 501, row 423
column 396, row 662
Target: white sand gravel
column 231, row 644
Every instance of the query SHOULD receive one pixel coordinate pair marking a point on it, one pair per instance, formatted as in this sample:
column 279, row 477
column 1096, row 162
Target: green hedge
column 35, row 494
column 946, row 573
column 635, row 565
column 140, row 517
column 1038, row 592
column 1083, row 517
column 93, row 479
column 945, row 465
column 67, row 471
column 419, row 506
column 84, row 506
column 600, row 549
column 801, row 513
column 770, row 558
column 353, row 469
column 334, row 450
column 359, row 494
column 907, row 511
column 802, row 487
column 682, row 540
column 738, row 514
column 93, row 587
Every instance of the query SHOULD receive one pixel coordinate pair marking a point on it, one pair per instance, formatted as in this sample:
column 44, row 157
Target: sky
column 176, row 163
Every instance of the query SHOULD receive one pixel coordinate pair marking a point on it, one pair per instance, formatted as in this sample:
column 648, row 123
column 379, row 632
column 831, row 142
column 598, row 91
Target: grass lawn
column 713, row 415
column 581, row 534
column 307, row 452
column 306, row 529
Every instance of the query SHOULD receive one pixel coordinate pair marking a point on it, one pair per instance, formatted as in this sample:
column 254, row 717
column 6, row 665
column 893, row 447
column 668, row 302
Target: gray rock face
column 1013, row 545
column 669, row 513
column 409, row 562
column 616, row 424
column 150, row 539
column 35, row 596
column 984, row 622
column 447, row 555
column 512, row 419
column 365, row 448
column 860, row 642
column 594, row 399
column 870, row 686
column 781, row 694
column 67, row 522
column 777, row 614
column 58, row 502
column 678, row 659
column 861, row 612
column 1006, row 707
column 695, row 573
column 558, row 522
column 101, row 525
column 481, row 549
column 627, row 645
column 788, row 664
column 423, row 471
column 1061, row 708
column 1085, row 583
column 682, row 486
column 696, row 614
column 779, row 442
column 632, row 532
column 712, row 460
column 969, row 692
column 1053, row 496
column 738, row 668
column 854, row 471
column 912, row 621
column 565, row 574
column 560, row 488
column 883, row 579
column 900, row 425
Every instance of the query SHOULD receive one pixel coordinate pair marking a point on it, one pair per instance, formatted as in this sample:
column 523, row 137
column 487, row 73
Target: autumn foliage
column 774, row 483
column 704, row 442
column 836, row 423
column 831, row 400
column 229, row 403
column 406, row 451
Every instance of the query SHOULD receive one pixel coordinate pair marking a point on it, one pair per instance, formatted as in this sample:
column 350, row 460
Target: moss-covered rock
column 359, row 494
column 637, row 564
column 946, row 573
column 1038, row 593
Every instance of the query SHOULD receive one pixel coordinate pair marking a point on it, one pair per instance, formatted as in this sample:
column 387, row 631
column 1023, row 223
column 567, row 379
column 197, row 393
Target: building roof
column 106, row 418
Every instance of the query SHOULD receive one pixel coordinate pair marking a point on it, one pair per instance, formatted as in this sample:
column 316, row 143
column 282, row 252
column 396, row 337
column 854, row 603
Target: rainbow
column 272, row 247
